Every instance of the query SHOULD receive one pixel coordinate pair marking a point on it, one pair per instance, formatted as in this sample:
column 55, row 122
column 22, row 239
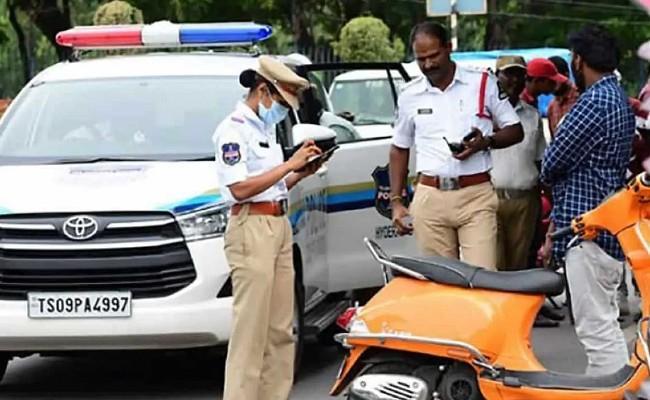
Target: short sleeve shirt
column 246, row 147
column 426, row 116
column 515, row 167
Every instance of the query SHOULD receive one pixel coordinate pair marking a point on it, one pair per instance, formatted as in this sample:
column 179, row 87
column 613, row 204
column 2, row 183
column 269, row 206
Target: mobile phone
column 470, row 136
column 407, row 221
column 454, row 147
column 323, row 156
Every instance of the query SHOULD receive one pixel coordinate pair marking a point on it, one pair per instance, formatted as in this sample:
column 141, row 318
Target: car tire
column 4, row 362
column 298, row 325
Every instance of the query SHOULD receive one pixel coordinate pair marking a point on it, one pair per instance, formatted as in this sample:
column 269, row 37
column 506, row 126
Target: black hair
column 561, row 65
column 432, row 29
column 252, row 80
column 597, row 47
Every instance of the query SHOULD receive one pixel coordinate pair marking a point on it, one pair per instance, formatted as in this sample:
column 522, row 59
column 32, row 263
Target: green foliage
column 117, row 12
column 368, row 39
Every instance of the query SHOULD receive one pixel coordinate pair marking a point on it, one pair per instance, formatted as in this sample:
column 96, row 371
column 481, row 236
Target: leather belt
column 445, row 183
column 273, row 208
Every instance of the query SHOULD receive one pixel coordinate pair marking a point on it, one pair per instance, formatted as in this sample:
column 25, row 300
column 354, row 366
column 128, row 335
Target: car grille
column 144, row 253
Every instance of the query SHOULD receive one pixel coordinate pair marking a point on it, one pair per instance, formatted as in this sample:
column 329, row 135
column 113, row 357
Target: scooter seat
column 457, row 273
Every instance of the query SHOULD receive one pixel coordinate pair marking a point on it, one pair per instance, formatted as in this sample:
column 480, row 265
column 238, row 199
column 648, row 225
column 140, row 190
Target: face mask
column 273, row 115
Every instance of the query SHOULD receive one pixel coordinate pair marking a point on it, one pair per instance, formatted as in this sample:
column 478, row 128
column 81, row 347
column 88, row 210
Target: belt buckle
column 447, row 183
column 284, row 206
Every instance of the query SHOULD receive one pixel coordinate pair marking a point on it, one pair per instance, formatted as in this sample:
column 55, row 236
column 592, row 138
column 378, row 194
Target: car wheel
column 298, row 326
column 4, row 362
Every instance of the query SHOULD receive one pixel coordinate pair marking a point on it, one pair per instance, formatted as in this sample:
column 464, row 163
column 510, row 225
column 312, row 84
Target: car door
column 308, row 217
column 357, row 194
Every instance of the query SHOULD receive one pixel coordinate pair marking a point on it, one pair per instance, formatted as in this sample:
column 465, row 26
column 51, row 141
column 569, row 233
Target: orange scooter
column 442, row 329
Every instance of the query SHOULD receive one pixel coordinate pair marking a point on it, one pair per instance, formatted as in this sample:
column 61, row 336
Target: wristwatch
column 490, row 140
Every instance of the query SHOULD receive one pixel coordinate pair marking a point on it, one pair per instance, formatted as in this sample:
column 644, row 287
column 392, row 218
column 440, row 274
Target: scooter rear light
column 345, row 319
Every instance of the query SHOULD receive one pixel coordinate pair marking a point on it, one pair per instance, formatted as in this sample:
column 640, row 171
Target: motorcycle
column 443, row 329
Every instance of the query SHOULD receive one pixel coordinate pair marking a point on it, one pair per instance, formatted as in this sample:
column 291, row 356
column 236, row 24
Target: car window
column 343, row 134
column 153, row 117
column 369, row 101
column 319, row 90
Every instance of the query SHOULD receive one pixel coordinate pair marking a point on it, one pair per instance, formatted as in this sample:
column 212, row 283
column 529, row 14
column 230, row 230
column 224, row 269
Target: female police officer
column 258, row 243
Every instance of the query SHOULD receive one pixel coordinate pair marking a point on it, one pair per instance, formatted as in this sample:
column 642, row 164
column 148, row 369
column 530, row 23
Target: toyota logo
column 80, row 227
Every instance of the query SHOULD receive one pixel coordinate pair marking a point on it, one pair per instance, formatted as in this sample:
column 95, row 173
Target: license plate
column 79, row 305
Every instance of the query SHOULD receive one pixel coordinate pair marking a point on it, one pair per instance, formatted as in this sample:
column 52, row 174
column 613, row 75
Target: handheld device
column 455, row 148
column 324, row 156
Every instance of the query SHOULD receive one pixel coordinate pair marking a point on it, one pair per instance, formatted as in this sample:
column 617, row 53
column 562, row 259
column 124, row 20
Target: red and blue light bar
column 163, row 34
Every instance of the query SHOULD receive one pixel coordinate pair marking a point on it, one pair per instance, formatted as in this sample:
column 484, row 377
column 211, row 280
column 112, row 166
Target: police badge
column 230, row 153
column 382, row 192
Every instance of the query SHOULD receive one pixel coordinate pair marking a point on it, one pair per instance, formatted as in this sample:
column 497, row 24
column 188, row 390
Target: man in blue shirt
column 584, row 164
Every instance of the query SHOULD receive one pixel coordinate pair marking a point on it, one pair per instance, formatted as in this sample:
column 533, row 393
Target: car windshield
column 370, row 101
column 151, row 118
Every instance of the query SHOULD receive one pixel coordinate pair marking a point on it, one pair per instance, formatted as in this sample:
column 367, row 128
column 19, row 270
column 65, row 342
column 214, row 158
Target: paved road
column 173, row 377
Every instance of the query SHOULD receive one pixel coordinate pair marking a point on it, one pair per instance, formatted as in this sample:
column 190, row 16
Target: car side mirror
column 324, row 137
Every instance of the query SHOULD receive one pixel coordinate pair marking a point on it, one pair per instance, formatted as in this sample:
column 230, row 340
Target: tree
column 368, row 39
column 117, row 12
column 49, row 16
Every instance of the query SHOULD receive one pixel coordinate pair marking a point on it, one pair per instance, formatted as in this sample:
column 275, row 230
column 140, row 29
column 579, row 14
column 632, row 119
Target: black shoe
column 549, row 313
column 543, row 322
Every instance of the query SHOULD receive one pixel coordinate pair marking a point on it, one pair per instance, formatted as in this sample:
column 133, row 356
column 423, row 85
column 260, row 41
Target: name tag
column 425, row 111
column 264, row 145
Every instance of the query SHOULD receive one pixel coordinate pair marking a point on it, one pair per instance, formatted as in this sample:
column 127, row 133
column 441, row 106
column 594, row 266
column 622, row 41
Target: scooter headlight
column 205, row 223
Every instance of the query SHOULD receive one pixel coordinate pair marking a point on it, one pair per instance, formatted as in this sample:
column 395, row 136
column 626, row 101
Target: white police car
column 111, row 223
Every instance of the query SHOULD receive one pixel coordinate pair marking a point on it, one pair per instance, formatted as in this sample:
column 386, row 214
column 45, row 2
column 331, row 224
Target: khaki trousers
column 465, row 219
column 261, row 348
column 516, row 224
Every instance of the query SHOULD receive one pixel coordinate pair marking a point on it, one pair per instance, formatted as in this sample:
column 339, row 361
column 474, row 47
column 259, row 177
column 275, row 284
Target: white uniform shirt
column 245, row 147
column 426, row 115
column 514, row 167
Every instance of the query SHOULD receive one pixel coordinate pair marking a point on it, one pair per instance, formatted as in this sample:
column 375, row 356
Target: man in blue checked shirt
column 583, row 165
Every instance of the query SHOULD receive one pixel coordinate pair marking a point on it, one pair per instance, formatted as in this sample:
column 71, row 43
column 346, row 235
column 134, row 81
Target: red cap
column 543, row 68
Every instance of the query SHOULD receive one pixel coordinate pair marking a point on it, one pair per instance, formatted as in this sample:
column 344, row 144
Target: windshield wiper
column 91, row 160
column 371, row 121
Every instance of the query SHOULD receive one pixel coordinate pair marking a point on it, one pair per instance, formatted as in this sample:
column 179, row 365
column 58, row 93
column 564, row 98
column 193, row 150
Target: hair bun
column 247, row 78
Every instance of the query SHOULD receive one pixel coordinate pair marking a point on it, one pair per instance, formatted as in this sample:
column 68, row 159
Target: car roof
column 488, row 59
column 151, row 64
column 470, row 59
column 367, row 74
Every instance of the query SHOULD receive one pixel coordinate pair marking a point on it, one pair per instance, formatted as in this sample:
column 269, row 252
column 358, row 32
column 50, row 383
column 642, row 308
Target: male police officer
column 455, row 204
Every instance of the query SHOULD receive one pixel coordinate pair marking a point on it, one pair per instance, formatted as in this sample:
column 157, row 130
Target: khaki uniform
column 455, row 213
column 258, row 246
column 515, row 176
column 261, row 349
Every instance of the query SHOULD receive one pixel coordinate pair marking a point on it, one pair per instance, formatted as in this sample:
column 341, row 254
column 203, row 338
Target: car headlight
column 205, row 223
